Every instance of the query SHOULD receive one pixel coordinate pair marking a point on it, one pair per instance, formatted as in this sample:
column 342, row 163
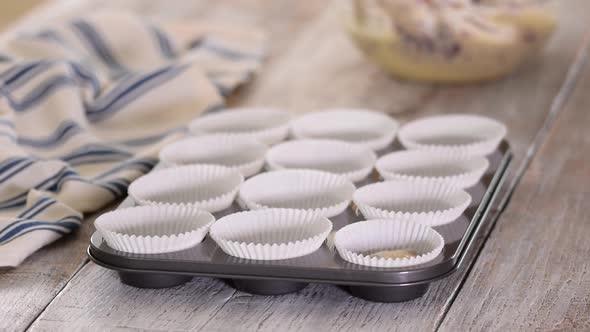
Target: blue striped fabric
column 63, row 132
column 97, row 45
column 166, row 46
column 85, row 114
column 140, row 86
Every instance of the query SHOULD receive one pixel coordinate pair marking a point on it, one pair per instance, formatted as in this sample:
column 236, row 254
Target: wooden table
column 532, row 274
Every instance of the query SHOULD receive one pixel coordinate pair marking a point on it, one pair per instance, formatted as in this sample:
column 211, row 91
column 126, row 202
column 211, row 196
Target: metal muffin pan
column 463, row 237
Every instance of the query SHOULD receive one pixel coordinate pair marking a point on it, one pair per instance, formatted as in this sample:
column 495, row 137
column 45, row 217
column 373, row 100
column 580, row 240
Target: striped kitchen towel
column 86, row 104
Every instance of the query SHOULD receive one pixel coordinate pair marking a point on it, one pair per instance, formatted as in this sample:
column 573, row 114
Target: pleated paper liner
column 330, row 241
column 350, row 160
column 371, row 129
column 323, row 193
column 364, row 243
column 208, row 187
column 270, row 234
column 455, row 133
column 429, row 202
column 416, row 165
column 243, row 154
column 154, row 229
column 267, row 125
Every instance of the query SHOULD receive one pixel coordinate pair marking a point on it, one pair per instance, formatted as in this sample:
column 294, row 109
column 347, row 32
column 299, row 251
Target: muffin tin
column 462, row 239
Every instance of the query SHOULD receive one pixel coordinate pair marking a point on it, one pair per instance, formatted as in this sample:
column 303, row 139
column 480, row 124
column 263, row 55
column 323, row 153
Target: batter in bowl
column 450, row 40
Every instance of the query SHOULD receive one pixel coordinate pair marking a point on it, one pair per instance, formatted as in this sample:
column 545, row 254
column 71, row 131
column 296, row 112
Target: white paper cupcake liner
column 266, row 125
column 270, row 234
column 357, row 242
column 323, row 193
column 330, row 241
column 245, row 155
column 430, row 203
column 457, row 133
column 368, row 128
column 154, row 229
column 418, row 165
column 208, row 187
column 350, row 160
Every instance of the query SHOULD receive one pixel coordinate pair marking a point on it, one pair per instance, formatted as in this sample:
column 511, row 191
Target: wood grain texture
column 111, row 305
column 534, row 272
column 96, row 300
column 316, row 66
column 26, row 290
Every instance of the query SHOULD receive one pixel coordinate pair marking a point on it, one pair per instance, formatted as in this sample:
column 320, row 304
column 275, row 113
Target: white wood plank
column 26, row 290
column 534, row 272
column 96, row 300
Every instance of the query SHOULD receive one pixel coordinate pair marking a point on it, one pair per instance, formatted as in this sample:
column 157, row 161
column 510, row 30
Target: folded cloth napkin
column 85, row 106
